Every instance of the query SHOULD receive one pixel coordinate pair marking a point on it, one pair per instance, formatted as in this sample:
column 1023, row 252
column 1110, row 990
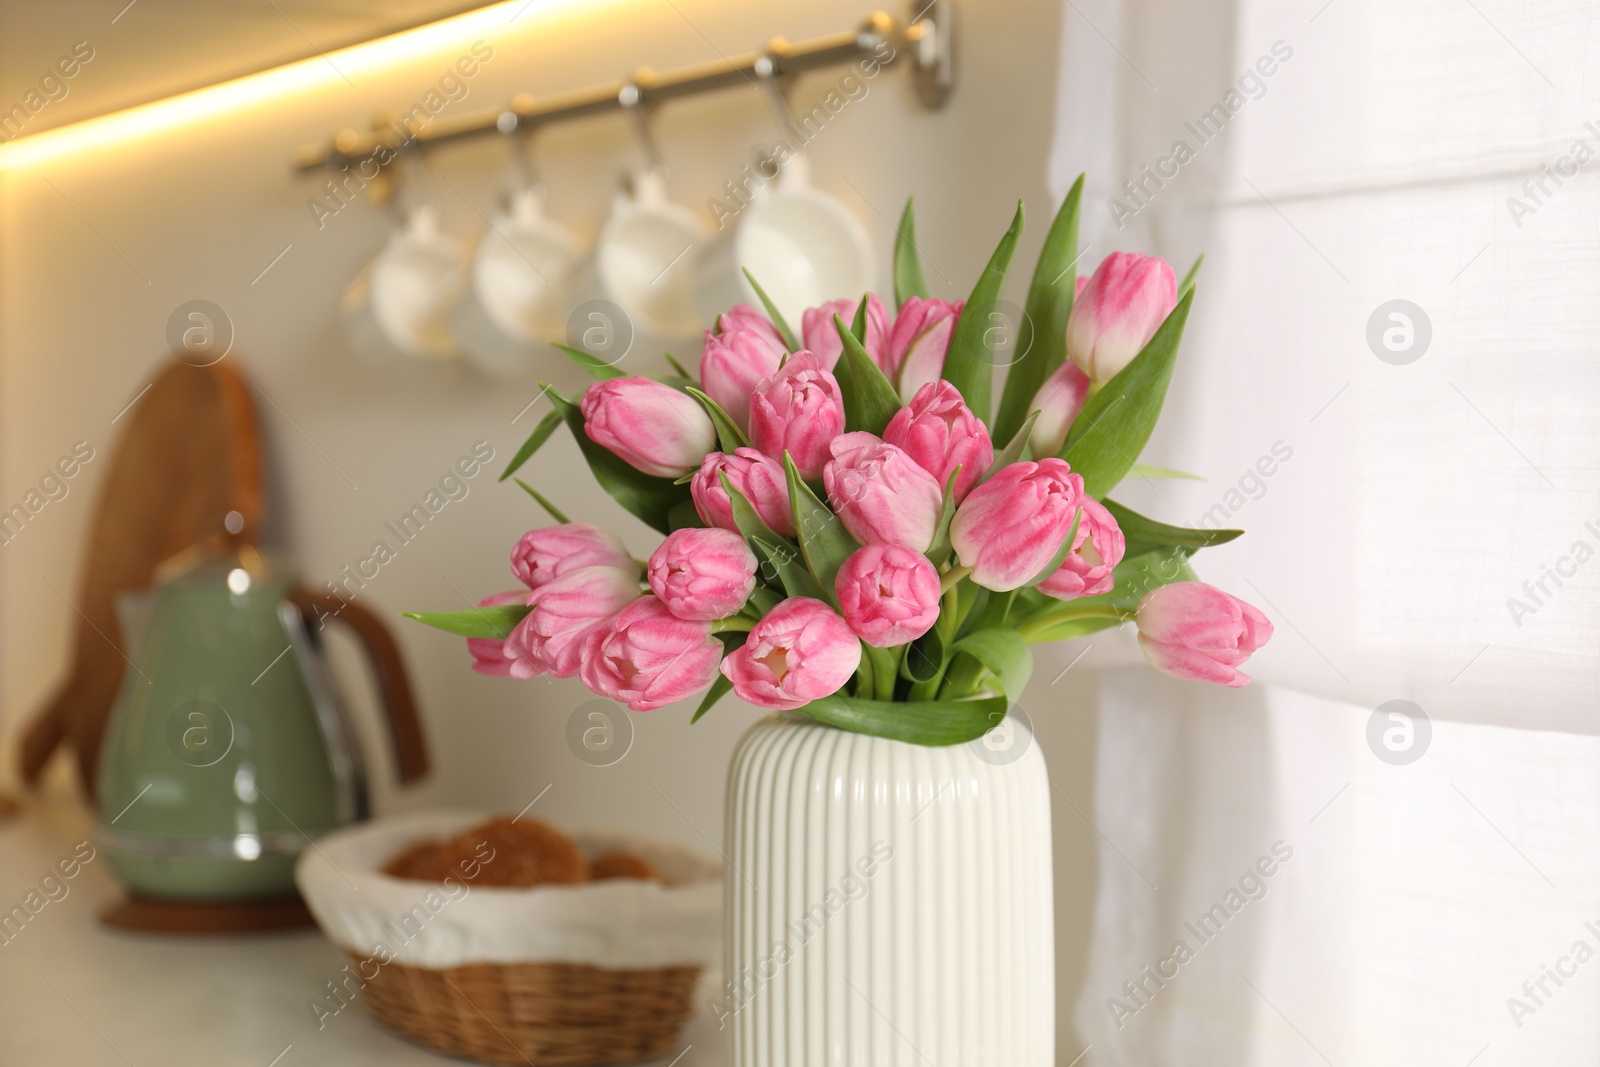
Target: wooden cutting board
column 188, row 452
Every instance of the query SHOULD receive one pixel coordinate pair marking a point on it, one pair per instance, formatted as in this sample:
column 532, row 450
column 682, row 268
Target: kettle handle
column 399, row 705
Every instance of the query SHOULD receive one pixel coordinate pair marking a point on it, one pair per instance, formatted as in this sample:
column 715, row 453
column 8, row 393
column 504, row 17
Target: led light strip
column 315, row 74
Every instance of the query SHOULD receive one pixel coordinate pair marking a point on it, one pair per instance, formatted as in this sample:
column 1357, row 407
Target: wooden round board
column 188, row 453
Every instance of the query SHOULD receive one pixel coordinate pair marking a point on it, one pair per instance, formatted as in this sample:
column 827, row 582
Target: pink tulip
column 889, row 595
column 798, row 410
column 646, row 657
column 799, row 652
column 1117, row 313
column 939, row 432
column 549, row 639
column 703, row 574
column 653, row 427
column 1196, row 631
column 760, row 478
column 821, row 336
column 743, row 317
column 918, row 342
column 746, row 349
column 1058, row 401
column 551, row 551
column 1012, row 526
column 491, row 656
column 1097, row 548
column 880, row 493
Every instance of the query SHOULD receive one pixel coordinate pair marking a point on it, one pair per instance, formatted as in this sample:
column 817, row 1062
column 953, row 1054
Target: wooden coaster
column 205, row 918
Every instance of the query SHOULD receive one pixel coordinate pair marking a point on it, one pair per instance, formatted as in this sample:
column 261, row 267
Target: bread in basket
column 598, row 972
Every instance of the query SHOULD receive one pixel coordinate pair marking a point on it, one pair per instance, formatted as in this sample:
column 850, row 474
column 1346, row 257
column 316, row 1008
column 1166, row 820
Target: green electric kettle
column 228, row 750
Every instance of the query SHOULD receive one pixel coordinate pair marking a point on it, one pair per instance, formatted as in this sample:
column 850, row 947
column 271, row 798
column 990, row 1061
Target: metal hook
column 631, row 97
column 766, row 69
column 517, row 135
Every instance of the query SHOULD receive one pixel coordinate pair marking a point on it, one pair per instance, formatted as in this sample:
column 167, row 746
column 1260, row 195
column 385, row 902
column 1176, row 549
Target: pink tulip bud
column 821, row 336
column 1058, row 402
column 1097, row 548
column 746, row 350
column 798, row 410
column 880, row 493
column 551, row 551
column 889, row 595
column 550, row 638
column 703, row 574
column 646, row 657
column 1012, row 526
column 760, row 478
column 743, row 317
column 490, row 656
column 918, row 342
column 940, row 432
column 799, row 652
column 653, row 427
column 1196, row 631
column 1116, row 314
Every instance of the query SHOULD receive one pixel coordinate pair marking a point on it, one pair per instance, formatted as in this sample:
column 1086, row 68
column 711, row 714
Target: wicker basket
column 550, row 1014
column 558, row 976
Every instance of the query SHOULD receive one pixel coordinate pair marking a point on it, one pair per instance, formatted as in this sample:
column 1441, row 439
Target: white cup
column 400, row 303
column 800, row 243
column 644, row 257
column 522, row 276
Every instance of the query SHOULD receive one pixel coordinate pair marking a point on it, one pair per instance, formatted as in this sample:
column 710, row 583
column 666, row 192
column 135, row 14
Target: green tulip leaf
column 729, row 435
column 1004, row 653
column 1050, row 297
column 1115, row 423
column 908, row 279
column 970, row 360
column 764, row 599
column 494, row 623
column 555, row 512
column 925, row 722
column 1146, row 535
column 784, row 560
column 719, row 689
column 677, row 367
column 789, row 339
column 1014, row 448
column 1194, row 272
column 869, row 400
column 651, row 499
column 1061, row 553
column 858, row 327
column 541, row 433
column 749, row 521
column 925, row 657
column 683, row 516
column 591, row 363
column 1145, row 470
column 824, row 541
column 940, row 549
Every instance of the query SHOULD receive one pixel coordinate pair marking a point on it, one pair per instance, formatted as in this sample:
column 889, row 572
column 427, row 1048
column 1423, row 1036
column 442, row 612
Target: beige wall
column 199, row 211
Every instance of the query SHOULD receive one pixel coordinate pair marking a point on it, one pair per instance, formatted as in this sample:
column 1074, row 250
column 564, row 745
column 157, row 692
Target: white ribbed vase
column 887, row 903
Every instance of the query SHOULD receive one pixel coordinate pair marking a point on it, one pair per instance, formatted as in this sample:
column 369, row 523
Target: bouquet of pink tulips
column 852, row 530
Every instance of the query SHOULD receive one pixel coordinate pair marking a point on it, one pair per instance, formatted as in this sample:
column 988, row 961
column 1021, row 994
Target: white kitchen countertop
column 74, row 992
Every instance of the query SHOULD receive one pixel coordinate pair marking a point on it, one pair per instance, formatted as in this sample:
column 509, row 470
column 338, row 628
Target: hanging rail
column 925, row 42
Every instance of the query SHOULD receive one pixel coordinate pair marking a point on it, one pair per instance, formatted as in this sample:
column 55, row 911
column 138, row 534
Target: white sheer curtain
column 1419, row 525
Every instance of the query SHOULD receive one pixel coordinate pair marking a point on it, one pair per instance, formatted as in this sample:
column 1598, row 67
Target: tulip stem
column 950, row 577
column 883, row 671
column 733, row 623
column 1048, row 621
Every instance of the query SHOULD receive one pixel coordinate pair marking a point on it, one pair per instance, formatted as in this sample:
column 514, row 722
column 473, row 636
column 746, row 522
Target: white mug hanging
column 801, row 244
column 646, row 249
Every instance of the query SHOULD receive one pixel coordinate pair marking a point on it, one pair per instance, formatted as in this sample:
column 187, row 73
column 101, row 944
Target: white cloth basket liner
column 617, row 925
